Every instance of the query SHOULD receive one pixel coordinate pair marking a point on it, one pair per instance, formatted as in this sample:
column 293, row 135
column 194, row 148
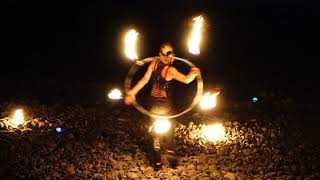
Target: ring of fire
column 196, row 99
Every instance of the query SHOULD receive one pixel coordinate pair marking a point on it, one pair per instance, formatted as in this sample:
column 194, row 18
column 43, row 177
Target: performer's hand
column 139, row 63
column 129, row 99
column 195, row 71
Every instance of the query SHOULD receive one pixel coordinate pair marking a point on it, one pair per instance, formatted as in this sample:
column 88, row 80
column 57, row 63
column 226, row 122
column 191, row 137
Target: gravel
column 110, row 141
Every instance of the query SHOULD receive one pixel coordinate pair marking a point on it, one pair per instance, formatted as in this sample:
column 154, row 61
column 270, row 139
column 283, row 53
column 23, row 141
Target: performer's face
column 166, row 54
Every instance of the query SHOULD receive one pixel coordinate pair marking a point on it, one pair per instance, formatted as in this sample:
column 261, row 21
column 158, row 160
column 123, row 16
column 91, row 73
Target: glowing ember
column 209, row 101
column 214, row 132
column 58, row 129
column 130, row 44
column 254, row 99
column 18, row 118
column 161, row 126
column 194, row 41
column 115, row 94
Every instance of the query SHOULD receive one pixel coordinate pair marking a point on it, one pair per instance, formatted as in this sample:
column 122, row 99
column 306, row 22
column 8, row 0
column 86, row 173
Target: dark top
column 158, row 82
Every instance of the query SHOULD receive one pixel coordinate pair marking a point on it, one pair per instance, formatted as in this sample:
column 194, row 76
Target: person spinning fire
column 161, row 72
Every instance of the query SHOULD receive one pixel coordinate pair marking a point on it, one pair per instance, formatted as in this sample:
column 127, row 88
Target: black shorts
column 160, row 106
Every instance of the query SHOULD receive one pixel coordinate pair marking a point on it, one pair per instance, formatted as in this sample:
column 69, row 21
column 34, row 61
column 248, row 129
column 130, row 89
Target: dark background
column 56, row 48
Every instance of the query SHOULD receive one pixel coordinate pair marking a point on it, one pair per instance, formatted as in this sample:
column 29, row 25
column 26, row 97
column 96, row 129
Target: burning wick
column 214, row 132
column 59, row 130
column 208, row 101
column 130, row 44
column 115, row 94
column 254, row 99
column 195, row 37
column 18, row 118
column 161, row 126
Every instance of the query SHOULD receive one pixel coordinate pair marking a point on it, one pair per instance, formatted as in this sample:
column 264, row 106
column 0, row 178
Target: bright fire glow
column 195, row 37
column 130, row 44
column 209, row 101
column 115, row 94
column 18, row 118
column 214, row 132
column 161, row 126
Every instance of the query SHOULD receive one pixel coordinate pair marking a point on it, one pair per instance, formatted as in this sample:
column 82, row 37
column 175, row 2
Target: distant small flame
column 209, row 101
column 161, row 126
column 214, row 133
column 130, row 44
column 18, row 118
column 195, row 37
column 115, row 94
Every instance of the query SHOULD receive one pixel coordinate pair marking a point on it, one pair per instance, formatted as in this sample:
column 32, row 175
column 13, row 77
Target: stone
column 230, row 176
column 99, row 176
column 41, row 123
column 101, row 145
column 128, row 158
column 190, row 166
column 132, row 175
column 215, row 174
column 135, row 169
column 70, row 136
column 71, row 170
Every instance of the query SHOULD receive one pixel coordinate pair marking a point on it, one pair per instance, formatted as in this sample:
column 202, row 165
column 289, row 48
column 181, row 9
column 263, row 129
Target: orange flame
column 195, row 37
column 115, row 94
column 18, row 118
column 161, row 126
column 214, row 133
column 208, row 100
column 130, row 44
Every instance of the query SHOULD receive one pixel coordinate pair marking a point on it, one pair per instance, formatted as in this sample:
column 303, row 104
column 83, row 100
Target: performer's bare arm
column 131, row 95
column 175, row 74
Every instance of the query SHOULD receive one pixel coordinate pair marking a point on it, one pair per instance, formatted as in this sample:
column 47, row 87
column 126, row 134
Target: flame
column 214, row 133
column 194, row 41
column 161, row 126
column 18, row 118
column 115, row 94
column 130, row 44
column 209, row 101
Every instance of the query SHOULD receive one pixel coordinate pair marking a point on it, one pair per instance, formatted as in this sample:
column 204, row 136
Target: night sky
column 264, row 44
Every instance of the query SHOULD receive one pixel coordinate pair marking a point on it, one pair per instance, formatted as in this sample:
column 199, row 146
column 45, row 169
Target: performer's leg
column 156, row 140
column 159, row 107
column 157, row 152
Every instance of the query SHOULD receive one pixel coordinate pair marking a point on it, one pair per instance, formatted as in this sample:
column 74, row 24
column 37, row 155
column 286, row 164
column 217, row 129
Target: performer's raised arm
column 175, row 74
column 131, row 95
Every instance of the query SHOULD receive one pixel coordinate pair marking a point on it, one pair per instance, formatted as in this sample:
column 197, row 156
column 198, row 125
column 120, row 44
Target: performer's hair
column 164, row 45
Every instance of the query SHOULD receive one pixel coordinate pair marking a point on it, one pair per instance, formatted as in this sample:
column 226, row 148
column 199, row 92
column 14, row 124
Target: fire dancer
column 161, row 73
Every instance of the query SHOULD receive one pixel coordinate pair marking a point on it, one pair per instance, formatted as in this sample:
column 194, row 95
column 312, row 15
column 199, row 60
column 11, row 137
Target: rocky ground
column 110, row 141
